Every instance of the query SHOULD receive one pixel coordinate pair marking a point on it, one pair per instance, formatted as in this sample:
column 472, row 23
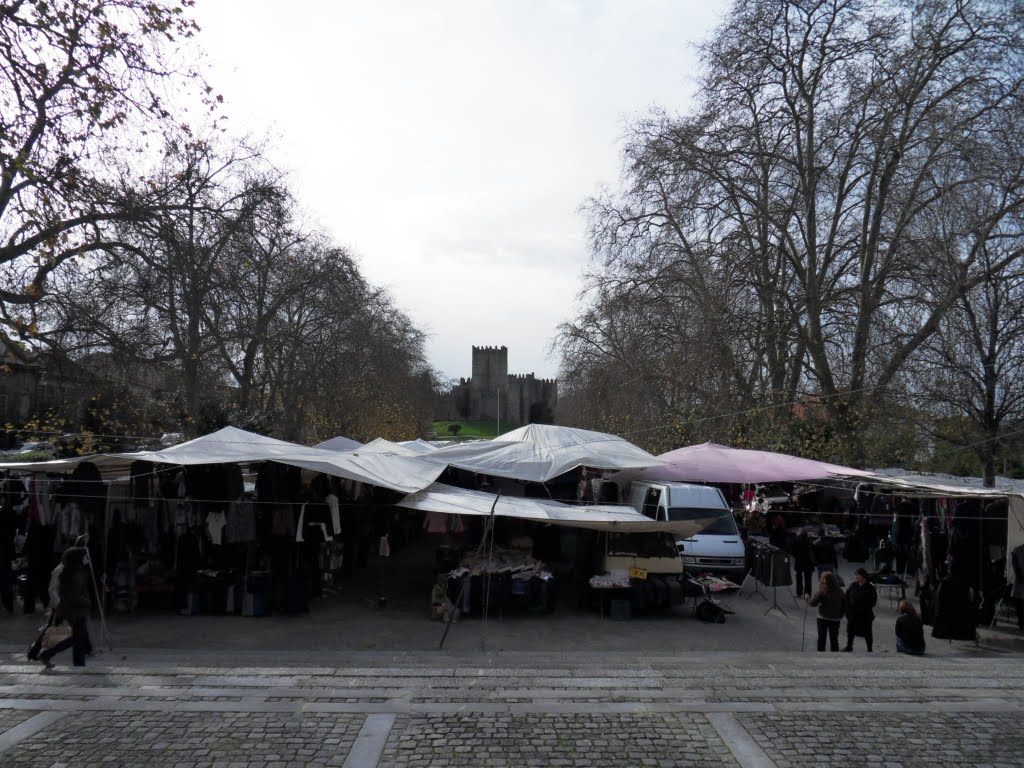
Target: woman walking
column 831, row 604
column 75, row 604
column 861, row 597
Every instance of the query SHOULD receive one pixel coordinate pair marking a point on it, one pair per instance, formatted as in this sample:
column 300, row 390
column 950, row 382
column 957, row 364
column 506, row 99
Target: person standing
column 831, row 604
column 861, row 597
column 824, row 549
column 909, row 630
column 803, row 563
column 902, row 533
column 75, row 604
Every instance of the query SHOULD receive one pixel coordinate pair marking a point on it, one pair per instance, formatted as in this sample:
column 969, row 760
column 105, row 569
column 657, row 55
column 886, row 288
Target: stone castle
column 493, row 393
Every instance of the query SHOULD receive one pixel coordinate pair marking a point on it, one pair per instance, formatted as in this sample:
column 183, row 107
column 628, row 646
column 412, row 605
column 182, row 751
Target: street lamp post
column 497, row 430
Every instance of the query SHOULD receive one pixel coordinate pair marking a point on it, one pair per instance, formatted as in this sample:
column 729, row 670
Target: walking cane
column 83, row 541
column 803, row 634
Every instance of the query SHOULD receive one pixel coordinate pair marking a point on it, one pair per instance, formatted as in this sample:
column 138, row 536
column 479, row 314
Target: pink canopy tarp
column 713, row 463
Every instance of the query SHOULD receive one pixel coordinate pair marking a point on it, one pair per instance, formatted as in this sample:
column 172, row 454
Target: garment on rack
column 283, row 521
column 332, row 504
column 435, row 522
column 70, row 523
column 1017, row 562
column 313, row 514
column 953, row 612
column 215, row 522
column 186, row 516
column 241, row 522
column 143, row 484
column 278, row 482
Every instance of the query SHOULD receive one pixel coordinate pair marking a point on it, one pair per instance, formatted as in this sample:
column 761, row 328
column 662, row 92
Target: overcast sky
column 451, row 144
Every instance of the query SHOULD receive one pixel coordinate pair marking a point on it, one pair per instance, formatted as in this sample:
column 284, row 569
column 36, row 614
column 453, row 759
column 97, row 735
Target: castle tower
column 489, row 384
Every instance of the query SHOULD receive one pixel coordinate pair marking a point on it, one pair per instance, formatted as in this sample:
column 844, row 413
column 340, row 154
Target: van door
column 651, row 503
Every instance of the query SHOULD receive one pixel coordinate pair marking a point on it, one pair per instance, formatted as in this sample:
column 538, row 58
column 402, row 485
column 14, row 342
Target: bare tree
column 970, row 375
column 162, row 294
column 80, row 82
column 341, row 359
column 792, row 217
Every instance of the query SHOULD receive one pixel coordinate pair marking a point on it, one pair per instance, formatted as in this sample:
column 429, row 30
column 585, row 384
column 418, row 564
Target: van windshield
column 725, row 525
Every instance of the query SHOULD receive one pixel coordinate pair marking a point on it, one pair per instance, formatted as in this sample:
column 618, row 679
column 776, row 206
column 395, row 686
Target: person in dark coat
column 75, row 604
column 902, row 533
column 861, row 597
column 954, row 615
column 824, row 548
column 803, row 563
column 831, row 604
column 909, row 630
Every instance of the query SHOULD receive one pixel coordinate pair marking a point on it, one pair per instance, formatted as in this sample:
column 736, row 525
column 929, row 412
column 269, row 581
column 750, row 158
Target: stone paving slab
column 889, row 741
column 506, row 741
column 12, row 717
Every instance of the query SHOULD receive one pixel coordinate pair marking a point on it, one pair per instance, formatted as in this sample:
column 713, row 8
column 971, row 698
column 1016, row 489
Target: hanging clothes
column 435, row 522
column 332, row 505
column 215, row 522
column 313, row 514
column 143, row 484
column 953, row 611
column 241, row 522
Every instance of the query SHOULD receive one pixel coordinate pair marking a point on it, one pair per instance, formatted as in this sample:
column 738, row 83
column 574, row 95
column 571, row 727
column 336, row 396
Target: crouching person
column 909, row 630
column 441, row 606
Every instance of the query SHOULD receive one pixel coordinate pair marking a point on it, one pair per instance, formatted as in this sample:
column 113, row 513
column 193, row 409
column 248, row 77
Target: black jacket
column 910, row 631
column 953, row 613
column 860, row 602
column 74, row 581
column 803, row 555
column 831, row 605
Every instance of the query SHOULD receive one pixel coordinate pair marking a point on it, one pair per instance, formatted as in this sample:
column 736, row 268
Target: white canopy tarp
column 541, row 452
column 387, row 470
column 236, row 446
column 227, row 445
column 380, row 445
column 419, row 445
column 600, row 517
column 339, row 443
column 928, row 484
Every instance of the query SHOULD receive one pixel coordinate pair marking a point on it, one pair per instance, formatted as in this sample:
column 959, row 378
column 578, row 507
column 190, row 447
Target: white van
column 718, row 548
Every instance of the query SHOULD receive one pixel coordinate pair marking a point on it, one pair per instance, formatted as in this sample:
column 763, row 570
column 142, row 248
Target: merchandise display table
column 895, row 591
column 715, row 589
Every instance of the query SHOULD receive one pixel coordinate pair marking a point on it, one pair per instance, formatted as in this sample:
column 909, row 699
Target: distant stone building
column 493, row 393
column 35, row 384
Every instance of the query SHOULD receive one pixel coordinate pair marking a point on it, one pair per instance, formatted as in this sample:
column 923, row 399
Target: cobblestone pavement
column 497, row 710
column 963, row 738
column 189, row 740
column 497, row 741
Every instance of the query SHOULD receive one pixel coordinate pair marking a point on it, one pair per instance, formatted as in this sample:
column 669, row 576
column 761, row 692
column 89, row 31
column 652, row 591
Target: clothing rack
column 772, row 567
